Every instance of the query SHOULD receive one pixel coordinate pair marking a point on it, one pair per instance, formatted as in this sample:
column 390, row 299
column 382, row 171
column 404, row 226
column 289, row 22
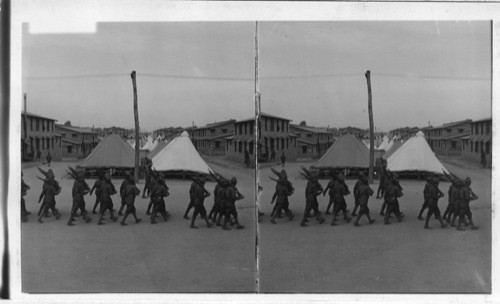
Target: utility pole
column 25, row 124
column 372, row 135
column 136, row 119
column 256, row 147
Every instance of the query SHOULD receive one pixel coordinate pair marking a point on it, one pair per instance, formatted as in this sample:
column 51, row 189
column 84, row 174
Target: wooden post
column 136, row 119
column 372, row 135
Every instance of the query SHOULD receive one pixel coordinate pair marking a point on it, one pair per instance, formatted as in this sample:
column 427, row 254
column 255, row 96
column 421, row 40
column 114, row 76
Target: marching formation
column 225, row 196
column 459, row 196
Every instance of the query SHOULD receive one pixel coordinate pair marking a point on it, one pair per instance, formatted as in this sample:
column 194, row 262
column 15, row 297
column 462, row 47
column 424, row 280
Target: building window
column 246, row 128
column 287, row 140
column 240, row 128
column 224, row 131
column 453, row 144
column 476, row 148
column 304, row 149
column 52, row 143
column 309, row 135
column 70, row 149
column 471, row 144
column 217, row 145
column 487, row 128
column 234, row 146
column 272, row 125
column 487, row 147
column 282, row 143
column 460, row 130
column 265, row 123
column 481, row 128
column 240, row 147
column 31, row 123
column 37, row 121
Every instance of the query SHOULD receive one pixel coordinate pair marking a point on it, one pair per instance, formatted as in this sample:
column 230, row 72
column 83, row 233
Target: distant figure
column 38, row 154
column 273, row 154
column 49, row 158
column 283, row 159
column 247, row 159
column 483, row 158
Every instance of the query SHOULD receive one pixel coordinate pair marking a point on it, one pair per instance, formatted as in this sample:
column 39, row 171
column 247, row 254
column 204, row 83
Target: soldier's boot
column 303, row 222
column 87, row 218
column 192, row 222
column 224, row 226
column 124, row 218
column 121, row 209
column 112, row 216
column 95, row 207
column 328, row 208
column 208, row 222
column 453, row 221
column 386, row 219
column 347, row 219
column 370, row 220
column 101, row 218
column 472, row 226
column 70, row 221
column 57, row 214
column 443, row 224
column 186, row 217
column 353, row 214
column 420, row 214
column 238, row 225
column 356, row 222
column 290, row 215
column 459, row 226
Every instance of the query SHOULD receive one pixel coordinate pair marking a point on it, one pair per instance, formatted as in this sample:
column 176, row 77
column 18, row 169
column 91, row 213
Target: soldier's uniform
column 192, row 190
column 433, row 196
column 199, row 196
column 50, row 189
column 391, row 195
column 222, row 205
column 356, row 197
column 107, row 189
column 312, row 191
column 123, row 187
column 282, row 193
column 80, row 189
column 464, row 209
column 231, row 197
column 340, row 190
column 425, row 205
column 362, row 194
column 97, row 187
column 147, row 173
column 450, row 207
column 382, row 178
column 329, row 188
column 158, row 192
column 129, row 194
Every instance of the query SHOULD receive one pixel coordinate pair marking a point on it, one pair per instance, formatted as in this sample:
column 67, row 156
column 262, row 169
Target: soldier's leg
column 74, row 210
column 424, row 206
column 195, row 214
column 306, row 213
column 127, row 212
column 203, row 213
column 44, row 211
column 134, row 213
column 279, row 207
column 190, row 205
column 384, row 206
column 97, row 201
column 330, row 204
column 121, row 208
column 388, row 212
column 468, row 214
column 430, row 212
column 227, row 218
column 235, row 216
column 353, row 213
column 274, row 209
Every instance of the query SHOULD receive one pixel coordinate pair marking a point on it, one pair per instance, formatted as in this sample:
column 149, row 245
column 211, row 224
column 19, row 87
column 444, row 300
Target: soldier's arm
column 41, row 195
column 327, row 187
column 275, row 195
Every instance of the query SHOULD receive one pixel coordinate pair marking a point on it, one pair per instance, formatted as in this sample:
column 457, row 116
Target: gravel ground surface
column 171, row 257
column 166, row 257
column 401, row 257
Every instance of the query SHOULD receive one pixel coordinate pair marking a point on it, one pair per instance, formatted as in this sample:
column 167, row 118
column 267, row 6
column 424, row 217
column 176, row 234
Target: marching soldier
column 232, row 195
column 464, row 199
column 329, row 188
column 97, row 187
column 123, row 187
column 391, row 194
column 425, row 205
column 51, row 188
column 24, row 191
column 222, row 208
column 360, row 181
column 433, row 195
column 451, row 204
column 80, row 189
column 159, row 190
column 312, row 191
column 200, row 193
column 107, row 189
column 283, row 190
column 381, row 168
column 129, row 194
column 362, row 194
column 192, row 190
column 340, row 189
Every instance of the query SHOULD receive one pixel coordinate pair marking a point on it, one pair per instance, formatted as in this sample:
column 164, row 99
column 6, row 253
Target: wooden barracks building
column 77, row 142
column 211, row 140
column 38, row 134
column 312, row 142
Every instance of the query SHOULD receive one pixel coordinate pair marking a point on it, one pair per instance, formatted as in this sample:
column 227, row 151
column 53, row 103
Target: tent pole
column 372, row 135
column 136, row 119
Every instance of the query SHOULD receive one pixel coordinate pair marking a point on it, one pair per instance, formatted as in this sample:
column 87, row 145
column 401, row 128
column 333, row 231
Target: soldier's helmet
column 340, row 177
column 283, row 174
column 50, row 173
column 233, row 181
column 80, row 173
column 107, row 176
column 202, row 180
column 468, row 181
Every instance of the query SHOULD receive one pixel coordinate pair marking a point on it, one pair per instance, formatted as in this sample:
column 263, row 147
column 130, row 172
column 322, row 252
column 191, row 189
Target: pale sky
column 203, row 72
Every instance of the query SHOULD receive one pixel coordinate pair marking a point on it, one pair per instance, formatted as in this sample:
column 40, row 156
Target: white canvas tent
column 415, row 155
column 180, row 155
column 385, row 145
column 111, row 152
